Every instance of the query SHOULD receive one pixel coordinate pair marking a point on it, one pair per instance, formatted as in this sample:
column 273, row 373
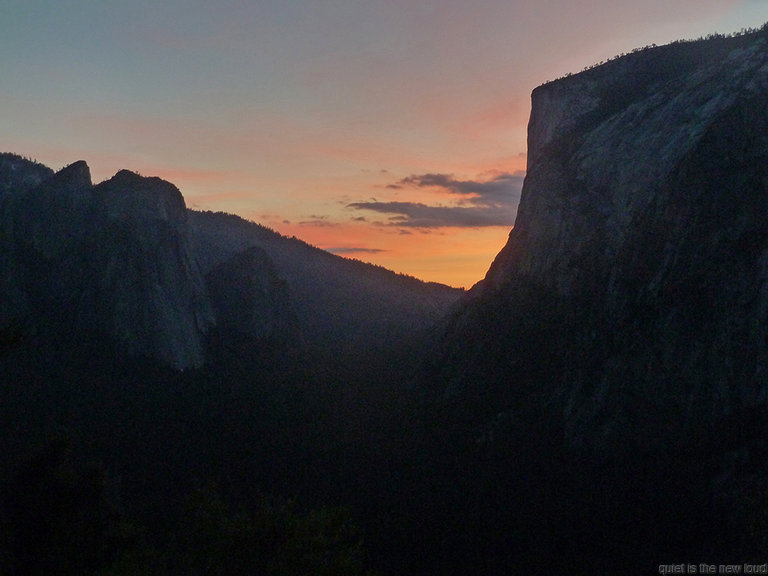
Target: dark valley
column 187, row 392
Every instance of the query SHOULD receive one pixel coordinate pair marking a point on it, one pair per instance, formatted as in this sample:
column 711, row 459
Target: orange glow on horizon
column 459, row 257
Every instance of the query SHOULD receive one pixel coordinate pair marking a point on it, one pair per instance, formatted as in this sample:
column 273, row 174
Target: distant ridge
column 339, row 301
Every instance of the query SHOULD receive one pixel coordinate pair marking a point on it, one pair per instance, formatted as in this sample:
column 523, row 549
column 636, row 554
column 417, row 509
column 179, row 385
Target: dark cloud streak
column 417, row 215
column 353, row 250
column 319, row 223
column 481, row 203
column 497, row 191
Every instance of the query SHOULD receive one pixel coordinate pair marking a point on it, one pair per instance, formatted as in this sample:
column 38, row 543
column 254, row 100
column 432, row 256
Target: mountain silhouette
column 125, row 262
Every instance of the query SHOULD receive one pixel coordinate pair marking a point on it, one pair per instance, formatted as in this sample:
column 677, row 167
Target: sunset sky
column 391, row 131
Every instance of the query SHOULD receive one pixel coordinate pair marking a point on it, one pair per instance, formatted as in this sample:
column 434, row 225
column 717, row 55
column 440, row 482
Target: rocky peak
column 47, row 216
column 147, row 290
column 74, row 177
column 130, row 196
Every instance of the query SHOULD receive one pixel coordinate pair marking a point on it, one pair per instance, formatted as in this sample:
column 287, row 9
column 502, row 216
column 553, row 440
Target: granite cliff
column 105, row 263
column 606, row 383
column 631, row 299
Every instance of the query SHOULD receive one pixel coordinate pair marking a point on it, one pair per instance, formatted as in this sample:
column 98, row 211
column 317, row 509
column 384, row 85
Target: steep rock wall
column 105, row 263
column 630, row 300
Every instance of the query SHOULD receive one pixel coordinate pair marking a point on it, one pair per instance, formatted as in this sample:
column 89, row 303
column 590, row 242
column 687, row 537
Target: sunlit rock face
column 632, row 296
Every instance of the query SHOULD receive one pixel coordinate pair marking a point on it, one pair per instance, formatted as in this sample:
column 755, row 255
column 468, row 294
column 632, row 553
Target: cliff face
column 35, row 228
column 144, row 285
column 108, row 262
column 605, row 144
column 632, row 296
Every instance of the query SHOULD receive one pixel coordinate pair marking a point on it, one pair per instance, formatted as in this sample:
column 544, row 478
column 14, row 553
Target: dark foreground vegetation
column 123, row 467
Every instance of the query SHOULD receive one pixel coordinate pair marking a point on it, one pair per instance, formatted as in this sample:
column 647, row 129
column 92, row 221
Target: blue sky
column 377, row 129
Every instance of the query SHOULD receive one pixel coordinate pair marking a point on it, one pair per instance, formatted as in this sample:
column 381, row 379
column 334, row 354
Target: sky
column 391, row 131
